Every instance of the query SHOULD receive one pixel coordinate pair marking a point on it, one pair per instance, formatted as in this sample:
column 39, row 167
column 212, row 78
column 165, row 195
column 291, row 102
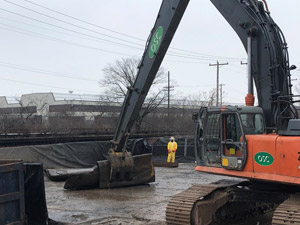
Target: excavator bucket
column 117, row 171
column 121, row 166
column 128, row 170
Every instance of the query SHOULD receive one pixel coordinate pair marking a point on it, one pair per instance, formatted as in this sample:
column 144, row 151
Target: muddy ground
column 144, row 204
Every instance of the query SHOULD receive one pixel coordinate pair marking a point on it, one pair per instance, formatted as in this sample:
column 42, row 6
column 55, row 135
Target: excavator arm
column 121, row 168
column 124, row 169
column 267, row 51
column 168, row 19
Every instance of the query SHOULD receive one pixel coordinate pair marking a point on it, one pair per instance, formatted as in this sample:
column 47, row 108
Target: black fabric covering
column 66, row 155
column 138, row 147
column 35, row 198
column 69, row 155
column 87, row 154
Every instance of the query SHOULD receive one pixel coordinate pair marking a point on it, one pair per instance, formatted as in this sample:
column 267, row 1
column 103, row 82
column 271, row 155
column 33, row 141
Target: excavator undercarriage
column 233, row 202
column 288, row 212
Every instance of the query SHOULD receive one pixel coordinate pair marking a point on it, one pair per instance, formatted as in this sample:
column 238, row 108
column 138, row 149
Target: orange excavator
column 259, row 143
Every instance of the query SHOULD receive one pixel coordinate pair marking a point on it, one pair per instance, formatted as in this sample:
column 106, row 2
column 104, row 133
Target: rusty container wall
column 12, row 206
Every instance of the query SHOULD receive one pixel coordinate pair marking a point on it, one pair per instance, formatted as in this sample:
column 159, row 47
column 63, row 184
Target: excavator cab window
column 212, row 140
column 253, row 123
column 233, row 142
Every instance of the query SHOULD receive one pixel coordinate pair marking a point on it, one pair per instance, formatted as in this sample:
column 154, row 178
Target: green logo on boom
column 155, row 41
column 263, row 158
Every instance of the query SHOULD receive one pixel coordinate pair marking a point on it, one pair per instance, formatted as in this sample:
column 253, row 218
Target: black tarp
column 87, row 154
column 68, row 159
column 68, row 155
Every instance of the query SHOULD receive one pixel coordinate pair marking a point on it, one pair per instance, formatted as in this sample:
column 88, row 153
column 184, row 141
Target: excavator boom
column 168, row 19
column 269, row 57
column 123, row 169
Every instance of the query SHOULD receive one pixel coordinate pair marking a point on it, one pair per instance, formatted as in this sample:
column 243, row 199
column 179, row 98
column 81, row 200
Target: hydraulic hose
column 266, row 5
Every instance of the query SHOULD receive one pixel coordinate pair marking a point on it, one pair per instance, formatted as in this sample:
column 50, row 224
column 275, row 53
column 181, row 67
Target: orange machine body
column 270, row 157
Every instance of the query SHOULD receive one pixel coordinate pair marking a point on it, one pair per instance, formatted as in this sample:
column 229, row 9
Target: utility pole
column 169, row 92
column 221, row 87
column 218, row 71
column 169, row 88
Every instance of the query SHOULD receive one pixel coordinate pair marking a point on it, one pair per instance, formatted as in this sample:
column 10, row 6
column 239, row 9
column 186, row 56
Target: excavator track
column 288, row 212
column 181, row 207
column 223, row 203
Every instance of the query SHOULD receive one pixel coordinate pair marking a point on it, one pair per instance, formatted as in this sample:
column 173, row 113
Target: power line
column 123, row 34
column 42, row 85
column 62, row 21
column 189, row 57
column 80, row 45
column 72, row 35
column 169, row 54
column 65, row 42
column 39, row 71
column 83, row 21
column 207, row 56
column 63, row 28
column 210, row 56
column 218, row 69
column 75, row 44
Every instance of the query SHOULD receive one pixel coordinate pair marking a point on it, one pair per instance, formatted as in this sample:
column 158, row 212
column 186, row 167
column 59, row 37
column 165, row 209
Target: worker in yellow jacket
column 172, row 148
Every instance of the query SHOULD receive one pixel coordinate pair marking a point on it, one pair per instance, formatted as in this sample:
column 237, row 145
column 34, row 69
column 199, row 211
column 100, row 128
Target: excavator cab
column 220, row 135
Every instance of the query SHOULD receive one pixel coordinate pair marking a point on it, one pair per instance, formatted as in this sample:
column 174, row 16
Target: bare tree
column 122, row 74
column 195, row 101
column 211, row 97
column 181, row 115
column 28, row 121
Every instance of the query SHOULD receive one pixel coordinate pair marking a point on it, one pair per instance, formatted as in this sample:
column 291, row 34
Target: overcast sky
column 43, row 51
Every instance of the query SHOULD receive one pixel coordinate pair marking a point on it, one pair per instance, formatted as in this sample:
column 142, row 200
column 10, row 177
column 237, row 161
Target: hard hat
column 172, row 138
